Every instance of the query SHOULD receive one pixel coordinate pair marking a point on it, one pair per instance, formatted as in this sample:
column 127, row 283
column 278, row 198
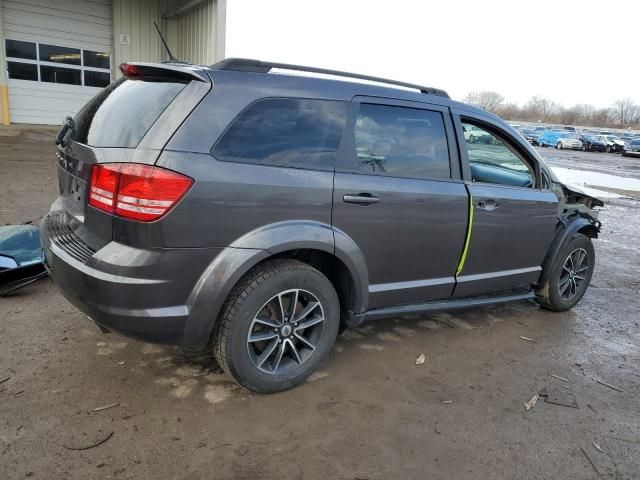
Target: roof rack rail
column 257, row 66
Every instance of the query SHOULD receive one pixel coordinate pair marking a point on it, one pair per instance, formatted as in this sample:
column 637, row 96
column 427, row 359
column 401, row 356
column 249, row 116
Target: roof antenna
column 172, row 59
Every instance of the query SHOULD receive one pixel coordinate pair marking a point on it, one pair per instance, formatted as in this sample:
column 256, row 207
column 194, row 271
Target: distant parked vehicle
column 473, row 134
column 560, row 140
column 592, row 144
column 612, row 144
column 633, row 148
column 530, row 135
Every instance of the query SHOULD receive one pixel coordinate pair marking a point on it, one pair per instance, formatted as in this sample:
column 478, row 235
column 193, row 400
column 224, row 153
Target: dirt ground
column 370, row 413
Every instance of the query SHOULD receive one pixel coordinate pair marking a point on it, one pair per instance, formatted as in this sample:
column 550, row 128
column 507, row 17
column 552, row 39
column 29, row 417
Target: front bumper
column 572, row 146
column 141, row 293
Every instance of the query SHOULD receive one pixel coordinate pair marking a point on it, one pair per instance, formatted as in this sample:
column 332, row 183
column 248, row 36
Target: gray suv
column 252, row 212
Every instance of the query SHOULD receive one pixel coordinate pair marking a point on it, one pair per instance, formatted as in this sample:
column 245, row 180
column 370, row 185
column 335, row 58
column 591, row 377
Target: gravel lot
column 370, row 413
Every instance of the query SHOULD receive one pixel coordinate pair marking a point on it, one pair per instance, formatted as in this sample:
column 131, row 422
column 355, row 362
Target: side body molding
column 215, row 284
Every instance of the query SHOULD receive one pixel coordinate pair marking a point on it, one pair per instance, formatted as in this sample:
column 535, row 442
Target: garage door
column 58, row 56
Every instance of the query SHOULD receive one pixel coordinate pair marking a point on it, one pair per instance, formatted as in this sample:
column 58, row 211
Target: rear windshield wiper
column 68, row 127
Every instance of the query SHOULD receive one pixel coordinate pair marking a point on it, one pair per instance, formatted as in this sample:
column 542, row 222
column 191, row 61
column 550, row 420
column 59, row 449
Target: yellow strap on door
column 463, row 257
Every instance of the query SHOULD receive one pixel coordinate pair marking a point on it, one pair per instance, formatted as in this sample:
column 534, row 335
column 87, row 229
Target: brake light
column 135, row 191
column 130, row 70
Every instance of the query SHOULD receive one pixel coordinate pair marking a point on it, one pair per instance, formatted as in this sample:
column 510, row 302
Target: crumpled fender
column 564, row 231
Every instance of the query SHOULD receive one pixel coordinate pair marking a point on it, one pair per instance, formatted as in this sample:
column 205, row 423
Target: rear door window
column 286, row 132
column 401, row 142
column 121, row 114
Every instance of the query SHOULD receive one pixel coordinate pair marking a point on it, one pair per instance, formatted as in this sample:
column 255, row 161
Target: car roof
column 333, row 88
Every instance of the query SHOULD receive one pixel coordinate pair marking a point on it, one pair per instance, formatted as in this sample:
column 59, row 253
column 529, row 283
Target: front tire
column 559, row 146
column 278, row 326
column 570, row 276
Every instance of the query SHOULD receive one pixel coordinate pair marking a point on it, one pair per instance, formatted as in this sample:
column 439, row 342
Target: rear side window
column 122, row 113
column 401, row 142
column 286, row 132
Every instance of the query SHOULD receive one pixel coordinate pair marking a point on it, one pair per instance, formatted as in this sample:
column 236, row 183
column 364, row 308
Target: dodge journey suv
column 252, row 212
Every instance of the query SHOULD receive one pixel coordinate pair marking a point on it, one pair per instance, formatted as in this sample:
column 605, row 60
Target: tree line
column 624, row 113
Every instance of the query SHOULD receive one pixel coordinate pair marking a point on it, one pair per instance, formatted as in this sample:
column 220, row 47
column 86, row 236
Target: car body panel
column 529, row 216
column 423, row 211
column 238, row 198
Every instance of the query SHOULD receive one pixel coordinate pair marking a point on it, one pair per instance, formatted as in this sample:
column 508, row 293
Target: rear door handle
column 488, row 204
column 360, row 199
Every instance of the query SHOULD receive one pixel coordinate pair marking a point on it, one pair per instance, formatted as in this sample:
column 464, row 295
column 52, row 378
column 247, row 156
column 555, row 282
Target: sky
column 567, row 50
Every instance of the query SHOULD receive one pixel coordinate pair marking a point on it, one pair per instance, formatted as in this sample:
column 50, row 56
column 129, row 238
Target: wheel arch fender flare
column 281, row 237
column 564, row 231
column 232, row 263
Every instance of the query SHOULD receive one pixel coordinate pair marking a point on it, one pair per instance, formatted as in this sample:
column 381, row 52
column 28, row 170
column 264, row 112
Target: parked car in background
column 530, row 135
column 612, row 144
column 592, row 144
column 560, row 140
column 473, row 134
column 633, row 148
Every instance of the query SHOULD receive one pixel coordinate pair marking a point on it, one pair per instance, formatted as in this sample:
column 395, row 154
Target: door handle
column 488, row 204
column 360, row 199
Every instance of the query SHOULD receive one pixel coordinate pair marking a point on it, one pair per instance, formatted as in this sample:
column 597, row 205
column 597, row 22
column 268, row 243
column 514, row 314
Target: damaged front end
column 573, row 203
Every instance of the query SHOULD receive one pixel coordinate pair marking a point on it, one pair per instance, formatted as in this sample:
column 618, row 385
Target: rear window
column 122, row 113
column 287, row 132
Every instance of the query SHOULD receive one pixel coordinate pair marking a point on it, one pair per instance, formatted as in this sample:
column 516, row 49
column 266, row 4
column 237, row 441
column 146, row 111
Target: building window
column 19, row 49
column 40, row 62
column 54, row 54
column 96, row 59
column 69, row 76
column 22, row 71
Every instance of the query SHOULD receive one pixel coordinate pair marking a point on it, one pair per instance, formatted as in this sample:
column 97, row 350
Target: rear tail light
column 134, row 191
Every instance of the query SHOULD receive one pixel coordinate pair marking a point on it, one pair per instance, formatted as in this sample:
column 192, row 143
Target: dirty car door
column 513, row 218
column 399, row 196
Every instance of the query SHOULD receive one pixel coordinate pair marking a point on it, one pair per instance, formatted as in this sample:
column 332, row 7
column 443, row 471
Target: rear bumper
column 158, row 325
column 141, row 293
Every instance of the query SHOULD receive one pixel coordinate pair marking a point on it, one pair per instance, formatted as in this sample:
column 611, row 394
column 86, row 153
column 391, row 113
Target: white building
column 56, row 54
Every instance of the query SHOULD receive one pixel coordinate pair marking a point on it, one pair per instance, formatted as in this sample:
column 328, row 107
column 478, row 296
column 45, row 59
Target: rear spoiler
column 163, row 71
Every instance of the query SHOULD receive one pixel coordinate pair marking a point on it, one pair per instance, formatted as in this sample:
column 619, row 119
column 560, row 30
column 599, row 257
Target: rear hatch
column 130, row 121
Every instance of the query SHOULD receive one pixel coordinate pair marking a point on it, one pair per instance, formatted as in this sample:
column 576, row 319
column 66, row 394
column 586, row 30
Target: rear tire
column 559, row 146
column 270, row 302
column 570, row 276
